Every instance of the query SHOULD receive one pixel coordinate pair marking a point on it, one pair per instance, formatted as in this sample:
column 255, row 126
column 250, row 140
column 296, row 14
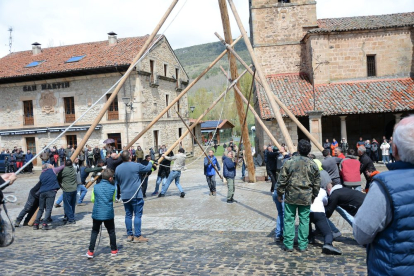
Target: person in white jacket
column 318, row 217
column 385, row 147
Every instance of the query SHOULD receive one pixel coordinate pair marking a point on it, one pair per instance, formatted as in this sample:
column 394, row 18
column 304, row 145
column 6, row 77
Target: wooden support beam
column 259, row 120
column 262, row 77
column 179, row 96
column 281, row 105
column 121, row 83
column 198, row 143
column 239, row 103
column 201, row 117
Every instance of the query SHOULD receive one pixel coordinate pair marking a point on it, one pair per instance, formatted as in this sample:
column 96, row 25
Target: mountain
column 196, row 58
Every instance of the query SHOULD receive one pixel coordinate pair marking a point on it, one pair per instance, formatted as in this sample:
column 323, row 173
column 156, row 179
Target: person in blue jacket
column 103, row 195
column 229, row 172
column 210, row 172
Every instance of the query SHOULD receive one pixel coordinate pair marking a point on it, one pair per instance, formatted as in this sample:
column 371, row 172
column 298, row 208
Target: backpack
column 374, row 146
column 349, row 172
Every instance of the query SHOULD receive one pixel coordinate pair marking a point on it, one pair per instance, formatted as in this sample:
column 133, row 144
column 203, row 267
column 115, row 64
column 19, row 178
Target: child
column 103, row 195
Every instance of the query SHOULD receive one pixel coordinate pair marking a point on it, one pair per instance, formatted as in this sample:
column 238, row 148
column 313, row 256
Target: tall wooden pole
column 121, row 83
column 259, row 120
column 179, row 96
column 280, row 103
column 262, row 77
column 239, row 103
column 198, row 143
column 201, row 117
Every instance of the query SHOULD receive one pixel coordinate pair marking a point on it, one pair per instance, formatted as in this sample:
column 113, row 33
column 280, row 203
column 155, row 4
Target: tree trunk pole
column 200, row 117
column 121, row 83
column 198, row 143
column 282, row 105
column 259, row 120
column 239, row 103
column 262, row 77
column 179, row 96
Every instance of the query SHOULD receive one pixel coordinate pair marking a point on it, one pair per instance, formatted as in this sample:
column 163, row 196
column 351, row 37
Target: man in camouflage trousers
column 299, row 181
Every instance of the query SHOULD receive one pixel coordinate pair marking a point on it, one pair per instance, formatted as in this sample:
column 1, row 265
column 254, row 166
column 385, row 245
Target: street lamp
column 192, row 108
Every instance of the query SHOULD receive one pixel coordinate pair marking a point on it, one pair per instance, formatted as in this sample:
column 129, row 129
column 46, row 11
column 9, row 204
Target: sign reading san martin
column 49, row 86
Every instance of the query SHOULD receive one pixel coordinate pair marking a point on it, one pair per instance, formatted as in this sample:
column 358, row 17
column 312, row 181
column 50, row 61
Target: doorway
column 31, row 145
column 156, row 140
column 117, row 138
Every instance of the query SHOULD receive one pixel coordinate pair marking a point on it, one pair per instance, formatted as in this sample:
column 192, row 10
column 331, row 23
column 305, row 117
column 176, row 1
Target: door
column 156, row 140
column 113, row 113
column 118, row 142
column 31, row 145
column 69, row 109
column 167, row 102
column 180, row 132
column 28, row 113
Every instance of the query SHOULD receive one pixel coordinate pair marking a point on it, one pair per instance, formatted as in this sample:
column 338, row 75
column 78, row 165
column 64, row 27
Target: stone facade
column 148, row 96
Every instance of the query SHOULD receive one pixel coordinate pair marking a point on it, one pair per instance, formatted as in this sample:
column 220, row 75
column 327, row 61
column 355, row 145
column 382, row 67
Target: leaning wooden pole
column 201, row 117
column 121, row 83
column 282, row 105
column 155, row 120
column 239, row 103
column 259, row 120
column 198, row 143
column 262, row 77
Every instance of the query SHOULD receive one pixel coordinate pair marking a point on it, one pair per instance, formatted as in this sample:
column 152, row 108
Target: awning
column 28, row 131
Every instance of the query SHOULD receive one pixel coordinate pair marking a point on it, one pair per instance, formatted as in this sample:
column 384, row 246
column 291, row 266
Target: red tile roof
column 97, row 55
column 358, row 97
column 365, row 22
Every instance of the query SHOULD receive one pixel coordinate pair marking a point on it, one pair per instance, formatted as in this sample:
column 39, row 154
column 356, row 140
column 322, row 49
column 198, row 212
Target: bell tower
column 277, row 28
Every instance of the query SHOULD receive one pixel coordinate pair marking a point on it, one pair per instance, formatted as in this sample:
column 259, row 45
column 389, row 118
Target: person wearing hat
column 344, row 145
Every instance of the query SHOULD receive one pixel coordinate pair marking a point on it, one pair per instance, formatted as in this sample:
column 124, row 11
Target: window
column 71, row 140
column 165, row 70
column 177, row 74
column 156, row 140
column 152, row 70
column 283, row 1
column 28, row 113
column 180, row 132
column 113, row 113
column 167, row 99
column 117, row 138
column 34, row 63
column 31, row 145
column 178, row 106
column 75, row 59
column 371, row 70
column 69, row 103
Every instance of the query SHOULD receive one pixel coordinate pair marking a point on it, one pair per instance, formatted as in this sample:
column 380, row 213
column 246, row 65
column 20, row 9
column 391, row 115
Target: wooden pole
column 179, row 96
column 121, row 83
column 282, row 105
column 239, row 103
column 198, row 143
column 200, row 117
column 259, row 120
column 262, row 77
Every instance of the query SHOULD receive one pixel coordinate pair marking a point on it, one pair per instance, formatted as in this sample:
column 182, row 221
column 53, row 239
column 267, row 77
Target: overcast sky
column 54, row 23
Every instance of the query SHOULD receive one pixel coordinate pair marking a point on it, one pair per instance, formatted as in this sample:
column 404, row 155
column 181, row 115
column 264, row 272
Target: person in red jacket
column 349, row 170
column 338, row 152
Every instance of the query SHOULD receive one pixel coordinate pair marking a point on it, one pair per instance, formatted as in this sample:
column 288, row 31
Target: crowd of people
column 380, row 212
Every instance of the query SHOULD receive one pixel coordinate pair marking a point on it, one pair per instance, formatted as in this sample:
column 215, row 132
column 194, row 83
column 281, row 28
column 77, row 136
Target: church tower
column 277, row 28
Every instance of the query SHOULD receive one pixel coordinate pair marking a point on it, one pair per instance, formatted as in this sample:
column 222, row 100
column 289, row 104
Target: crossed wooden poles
column 275, row 103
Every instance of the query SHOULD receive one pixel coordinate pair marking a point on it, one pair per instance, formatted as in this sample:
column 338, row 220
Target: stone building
column 44, row 90
column 342, row 77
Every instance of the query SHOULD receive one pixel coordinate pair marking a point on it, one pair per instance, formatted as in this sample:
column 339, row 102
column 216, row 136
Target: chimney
column 36, row 48
column 112, row 38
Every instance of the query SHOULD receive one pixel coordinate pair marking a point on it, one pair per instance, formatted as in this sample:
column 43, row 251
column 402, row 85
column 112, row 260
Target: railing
column 69, row 118
column 113, row 115
column 28, row 121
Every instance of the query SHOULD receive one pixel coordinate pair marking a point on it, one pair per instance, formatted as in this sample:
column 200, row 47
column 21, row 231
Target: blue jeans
column 157, row 184
column 81, row 193
column 385, row 158
column 173, row 175
column 60, row 199
column 45, row 162
column 134, row 208
column 69, row 204
column 332, row 226
column 280, row 211
column 345, row 215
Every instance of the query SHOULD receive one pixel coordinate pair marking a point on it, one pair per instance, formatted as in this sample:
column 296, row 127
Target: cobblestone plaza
column 197, row 235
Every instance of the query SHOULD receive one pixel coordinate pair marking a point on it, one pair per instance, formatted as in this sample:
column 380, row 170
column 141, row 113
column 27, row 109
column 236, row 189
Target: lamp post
column 128, row 103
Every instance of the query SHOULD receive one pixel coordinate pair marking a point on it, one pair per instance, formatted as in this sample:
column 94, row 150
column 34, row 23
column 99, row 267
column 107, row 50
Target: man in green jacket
column 299, row 181
column 68, row 183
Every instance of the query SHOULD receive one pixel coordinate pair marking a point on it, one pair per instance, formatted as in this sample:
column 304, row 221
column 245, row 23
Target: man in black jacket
column 366, row 163
column 345, row 201
column 30, row 207
column 272, row 167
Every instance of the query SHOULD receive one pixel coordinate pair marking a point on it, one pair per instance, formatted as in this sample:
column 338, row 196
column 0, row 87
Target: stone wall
column 347, row 54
